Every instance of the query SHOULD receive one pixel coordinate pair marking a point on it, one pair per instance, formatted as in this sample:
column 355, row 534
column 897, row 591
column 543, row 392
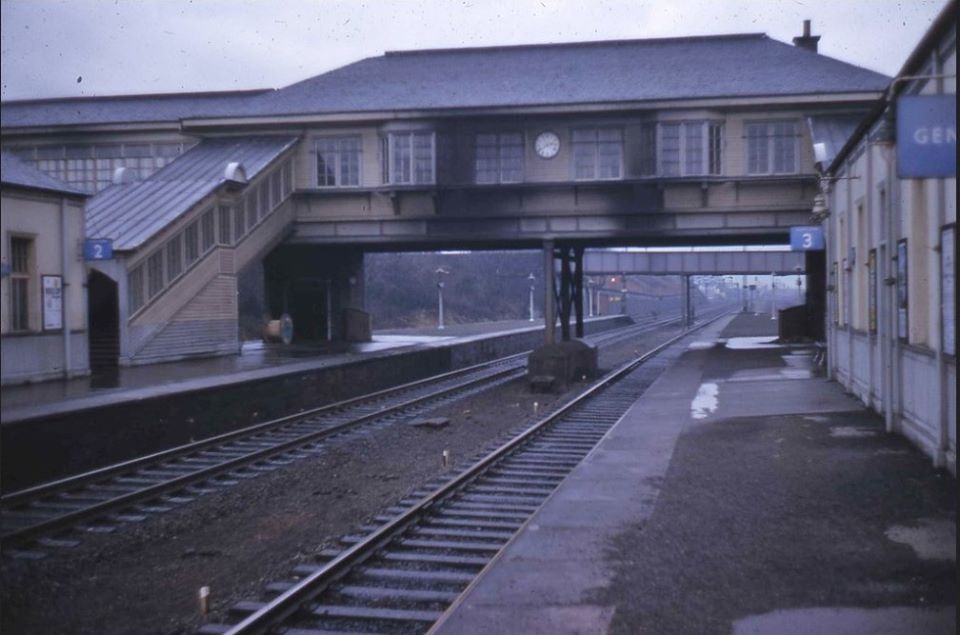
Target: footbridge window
column 411, row 158
column 690, row 148
column 597, row 153
column 499, row 158
column 772, row 147
column 338, row 161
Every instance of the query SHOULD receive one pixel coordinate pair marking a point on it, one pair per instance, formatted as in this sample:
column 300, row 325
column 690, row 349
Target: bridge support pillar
column 549, row 298
column 571, row 290
column 686, row 313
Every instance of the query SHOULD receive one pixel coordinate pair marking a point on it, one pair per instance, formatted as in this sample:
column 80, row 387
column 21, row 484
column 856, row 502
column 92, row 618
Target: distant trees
column 478, row 286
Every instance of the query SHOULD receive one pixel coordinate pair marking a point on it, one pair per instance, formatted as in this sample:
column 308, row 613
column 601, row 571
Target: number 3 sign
column 806, row 238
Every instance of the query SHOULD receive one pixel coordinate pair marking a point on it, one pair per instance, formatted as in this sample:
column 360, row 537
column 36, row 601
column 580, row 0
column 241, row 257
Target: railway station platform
column 26, row 401
column 742, row 493
column 51, row 429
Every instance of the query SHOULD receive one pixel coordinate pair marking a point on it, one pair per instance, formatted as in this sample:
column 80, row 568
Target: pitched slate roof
column 15, row 171
column 132, row 213
column 564, row 74
column 121, row 108
column 743, row 65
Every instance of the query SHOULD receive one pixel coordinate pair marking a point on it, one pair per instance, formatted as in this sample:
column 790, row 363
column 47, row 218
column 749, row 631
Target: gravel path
column 145, row 578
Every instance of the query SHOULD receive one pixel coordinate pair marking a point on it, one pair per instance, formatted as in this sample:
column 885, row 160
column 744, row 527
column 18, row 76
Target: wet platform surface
column 742, row 493
column 256, row 360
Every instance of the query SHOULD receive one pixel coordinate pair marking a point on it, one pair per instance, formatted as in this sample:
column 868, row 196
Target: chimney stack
column 807, row 41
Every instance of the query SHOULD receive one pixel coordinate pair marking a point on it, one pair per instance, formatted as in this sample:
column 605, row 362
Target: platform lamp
column 773, row 295
column 440, row 272
column 533, row 282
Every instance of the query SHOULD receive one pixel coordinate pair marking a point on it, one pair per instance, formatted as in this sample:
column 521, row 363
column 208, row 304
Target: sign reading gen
column 926, row 136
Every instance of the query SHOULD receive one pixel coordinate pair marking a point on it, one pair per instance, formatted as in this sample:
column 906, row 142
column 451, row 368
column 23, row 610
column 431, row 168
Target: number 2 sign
column 97, row 249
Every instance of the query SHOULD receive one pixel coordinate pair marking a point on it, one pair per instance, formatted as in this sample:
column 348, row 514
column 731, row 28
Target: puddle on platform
column 705, row 402
column 932, row 539
column 748, row 343
column 851, row 432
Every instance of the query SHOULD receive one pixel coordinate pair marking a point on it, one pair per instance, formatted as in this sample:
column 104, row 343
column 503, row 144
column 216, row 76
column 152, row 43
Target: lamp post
column 773, row 295
column 440, row 271
column 533, row 281
column 799, row 269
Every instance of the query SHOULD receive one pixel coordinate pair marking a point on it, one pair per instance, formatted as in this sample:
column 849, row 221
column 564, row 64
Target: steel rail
column 71, row 482
column 273, row 613
column 204, row 474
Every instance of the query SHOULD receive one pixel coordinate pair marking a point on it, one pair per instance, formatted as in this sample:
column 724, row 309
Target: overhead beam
column 603, row 262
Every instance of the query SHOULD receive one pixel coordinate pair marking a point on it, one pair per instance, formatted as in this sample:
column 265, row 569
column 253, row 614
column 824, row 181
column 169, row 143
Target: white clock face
column 547, row 145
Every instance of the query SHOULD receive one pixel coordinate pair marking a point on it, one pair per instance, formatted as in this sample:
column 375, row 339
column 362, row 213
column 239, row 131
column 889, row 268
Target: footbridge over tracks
column 604, row 262
column 690, row 262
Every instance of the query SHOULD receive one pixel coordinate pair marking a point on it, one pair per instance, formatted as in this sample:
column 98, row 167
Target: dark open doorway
column 103, row 318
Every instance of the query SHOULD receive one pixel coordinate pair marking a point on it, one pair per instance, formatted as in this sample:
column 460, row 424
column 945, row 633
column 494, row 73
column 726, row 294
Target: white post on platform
column 533, row 282
column 773, row 295
column 440, row 271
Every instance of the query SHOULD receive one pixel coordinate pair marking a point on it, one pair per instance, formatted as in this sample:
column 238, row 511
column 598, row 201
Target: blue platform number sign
column 97, row 249
column 927, row 136
column 806, row 238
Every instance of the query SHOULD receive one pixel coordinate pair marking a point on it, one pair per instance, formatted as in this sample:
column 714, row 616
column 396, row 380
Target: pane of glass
column 423, row 157
column 238, row 223
column 784, row 148
column 223, row 224
column 402, row 158
column 670, row 149
column 174, row 261
column 716, row 139
column 206, row 230
column 584, row 160
column 191, row 245
column 693, row 146
column 326, row 175
column 135, row 288
column 155, row 274
column 250, row 202
column 486, row 158
column 609, row 154
column 511, row 158
column 758, row 161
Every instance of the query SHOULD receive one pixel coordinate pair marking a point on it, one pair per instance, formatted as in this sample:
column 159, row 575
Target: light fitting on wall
column 820, row 210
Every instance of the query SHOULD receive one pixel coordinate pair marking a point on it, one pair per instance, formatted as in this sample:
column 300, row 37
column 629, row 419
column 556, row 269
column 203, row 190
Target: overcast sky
column 56, row 48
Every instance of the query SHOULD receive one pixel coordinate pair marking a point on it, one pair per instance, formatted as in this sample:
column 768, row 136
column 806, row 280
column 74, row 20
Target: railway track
column 54, row 515
column 399, row 576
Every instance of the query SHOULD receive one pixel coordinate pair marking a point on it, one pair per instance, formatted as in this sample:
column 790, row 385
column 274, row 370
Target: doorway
column 103, row 319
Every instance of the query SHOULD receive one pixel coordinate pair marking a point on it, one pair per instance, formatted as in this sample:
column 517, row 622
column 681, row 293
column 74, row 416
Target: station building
column 890, row 219
column 43, row 313
column 699, row 140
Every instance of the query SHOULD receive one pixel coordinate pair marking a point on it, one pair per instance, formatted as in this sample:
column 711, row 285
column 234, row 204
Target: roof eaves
column 66, row 193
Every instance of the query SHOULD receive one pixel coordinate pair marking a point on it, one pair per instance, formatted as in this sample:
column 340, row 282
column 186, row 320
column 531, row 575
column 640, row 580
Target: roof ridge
column 515, row 47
